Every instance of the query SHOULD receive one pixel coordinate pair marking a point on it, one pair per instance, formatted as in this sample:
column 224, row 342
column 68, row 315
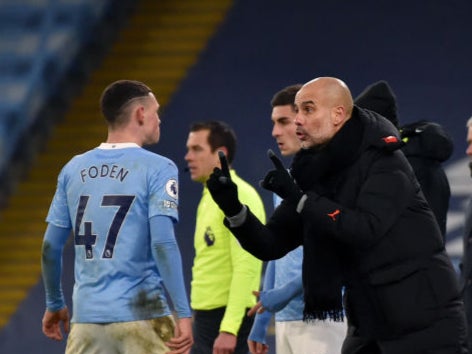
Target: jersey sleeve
column 58, row 214
column 51, row 265
column 276, row 299
column 169, row 262
column 262, row 320
column 164, row 191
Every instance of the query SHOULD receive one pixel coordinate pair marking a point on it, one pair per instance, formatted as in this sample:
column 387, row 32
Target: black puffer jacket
column 427, row 146
column 366, row 211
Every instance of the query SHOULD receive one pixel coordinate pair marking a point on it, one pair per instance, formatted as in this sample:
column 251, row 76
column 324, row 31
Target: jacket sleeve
column 282, row 233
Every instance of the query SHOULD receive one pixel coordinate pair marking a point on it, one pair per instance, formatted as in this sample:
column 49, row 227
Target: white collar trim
column 111, row 146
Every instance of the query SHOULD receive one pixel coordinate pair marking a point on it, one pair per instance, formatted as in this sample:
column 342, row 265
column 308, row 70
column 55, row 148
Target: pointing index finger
column 224, row 163
column 275, row 160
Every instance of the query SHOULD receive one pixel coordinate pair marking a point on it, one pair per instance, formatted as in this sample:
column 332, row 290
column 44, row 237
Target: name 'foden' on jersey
column 104, row 171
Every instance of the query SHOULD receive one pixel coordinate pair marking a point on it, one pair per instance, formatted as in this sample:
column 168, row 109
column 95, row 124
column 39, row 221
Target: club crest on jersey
column 209, row 236
column 172, row 188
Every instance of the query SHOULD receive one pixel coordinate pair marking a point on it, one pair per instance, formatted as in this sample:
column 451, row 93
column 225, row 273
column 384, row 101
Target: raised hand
column 223, row 190
column 280, row 182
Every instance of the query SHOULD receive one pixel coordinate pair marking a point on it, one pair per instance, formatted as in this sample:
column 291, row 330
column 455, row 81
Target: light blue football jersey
column 286, row 269
column 106, row 196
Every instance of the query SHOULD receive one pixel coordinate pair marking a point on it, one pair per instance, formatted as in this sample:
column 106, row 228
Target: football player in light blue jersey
column 282, row 291
column 120, row 202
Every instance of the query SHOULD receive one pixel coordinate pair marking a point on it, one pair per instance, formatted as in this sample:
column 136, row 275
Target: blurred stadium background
column 205, row 59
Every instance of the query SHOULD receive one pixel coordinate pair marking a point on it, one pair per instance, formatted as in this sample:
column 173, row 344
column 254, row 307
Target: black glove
column 280, row 182
column 223, row 190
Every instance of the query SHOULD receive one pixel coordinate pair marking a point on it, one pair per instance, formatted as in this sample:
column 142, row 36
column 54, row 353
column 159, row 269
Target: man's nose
column 298, row 119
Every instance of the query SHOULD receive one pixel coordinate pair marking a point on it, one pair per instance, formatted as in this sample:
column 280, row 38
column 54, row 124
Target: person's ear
column 338, row 115
column 139, row 115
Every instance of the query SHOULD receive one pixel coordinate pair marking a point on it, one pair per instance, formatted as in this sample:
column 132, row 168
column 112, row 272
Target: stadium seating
column 42, row 46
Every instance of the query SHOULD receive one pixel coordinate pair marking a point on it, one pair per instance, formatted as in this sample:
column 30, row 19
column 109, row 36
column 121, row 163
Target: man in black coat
column 427, row 146
column 353, row 201
column 466, row 267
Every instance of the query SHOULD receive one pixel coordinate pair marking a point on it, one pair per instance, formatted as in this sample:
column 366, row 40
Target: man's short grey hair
column 469, row 122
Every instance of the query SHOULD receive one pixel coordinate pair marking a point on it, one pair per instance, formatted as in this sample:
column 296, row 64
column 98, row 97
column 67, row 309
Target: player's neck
column 122, row 137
